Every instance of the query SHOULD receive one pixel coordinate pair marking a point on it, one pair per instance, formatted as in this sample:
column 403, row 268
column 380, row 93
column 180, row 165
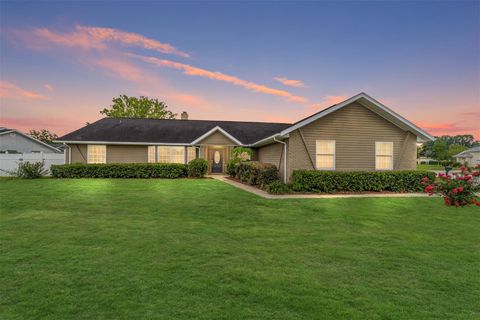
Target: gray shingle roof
column 3, row 129
column 169, row 131
column 467, row 152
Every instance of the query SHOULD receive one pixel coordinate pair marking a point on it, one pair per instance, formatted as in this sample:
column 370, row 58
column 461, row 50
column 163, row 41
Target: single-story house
column 13, row 141
column 16, row 147
column 470, row 157
column 359, row 133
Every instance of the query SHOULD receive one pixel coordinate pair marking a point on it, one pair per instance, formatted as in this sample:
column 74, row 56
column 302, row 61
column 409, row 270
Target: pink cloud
column 49, row 87
column 438, row 129
column 124, row 69
column 10, row 90
column 130, row 39
column 95, row 38
column 326, row 102
column 25, row 124
column 199, row 72
column 290, row 82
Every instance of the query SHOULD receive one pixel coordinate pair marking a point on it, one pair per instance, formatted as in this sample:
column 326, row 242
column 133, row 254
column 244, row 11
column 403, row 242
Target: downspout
column 284, row 158
column 69, row 153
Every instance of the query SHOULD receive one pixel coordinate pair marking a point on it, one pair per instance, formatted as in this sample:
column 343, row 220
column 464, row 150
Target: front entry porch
column 217, row 158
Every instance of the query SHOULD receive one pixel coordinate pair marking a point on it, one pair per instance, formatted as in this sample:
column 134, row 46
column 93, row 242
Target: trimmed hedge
column 358, row 181
column 256, row 173
column 442, row 163
column 277, row 187
column 120, row 170
column 197, row 168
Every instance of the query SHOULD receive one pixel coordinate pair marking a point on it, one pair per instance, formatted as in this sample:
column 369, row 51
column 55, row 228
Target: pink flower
column 463, row 169
column 460, row 189
column 429, row 189
column 455, row 191
column 446, row 200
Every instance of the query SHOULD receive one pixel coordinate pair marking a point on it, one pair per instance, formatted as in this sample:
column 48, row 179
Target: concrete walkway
column 266, row 195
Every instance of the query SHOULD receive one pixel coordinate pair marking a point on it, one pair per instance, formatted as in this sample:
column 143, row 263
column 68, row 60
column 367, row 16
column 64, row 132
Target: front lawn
column 435, row 167
column 201, row 249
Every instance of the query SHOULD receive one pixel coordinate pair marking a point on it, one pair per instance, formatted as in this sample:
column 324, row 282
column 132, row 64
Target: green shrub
column 358, row 181
column 277, row 187
column 231, row 166
column 242, row 153
column 120, row 170
column 197, row 168
column 29, row 170
column 238, row 154
column 256, row 173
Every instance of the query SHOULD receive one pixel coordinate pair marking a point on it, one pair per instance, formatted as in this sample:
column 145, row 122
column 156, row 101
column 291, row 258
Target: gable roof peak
column 370, row 103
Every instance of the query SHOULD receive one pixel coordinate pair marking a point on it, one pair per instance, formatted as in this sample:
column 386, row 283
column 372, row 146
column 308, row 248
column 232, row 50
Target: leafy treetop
column 43, row 135
column 133, row 107
column 440, row 148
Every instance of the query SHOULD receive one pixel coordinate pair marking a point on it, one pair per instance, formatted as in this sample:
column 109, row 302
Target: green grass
column 201, row 249
column 430, row 167
column 433, row 167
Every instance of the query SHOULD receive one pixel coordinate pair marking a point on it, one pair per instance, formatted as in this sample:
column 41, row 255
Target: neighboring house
column 425, row 160
column 16, row 146
column 14, row 141
column 357, row 134
column 470, row 157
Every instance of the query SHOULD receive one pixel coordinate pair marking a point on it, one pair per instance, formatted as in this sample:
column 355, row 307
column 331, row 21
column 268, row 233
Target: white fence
column 9, row 161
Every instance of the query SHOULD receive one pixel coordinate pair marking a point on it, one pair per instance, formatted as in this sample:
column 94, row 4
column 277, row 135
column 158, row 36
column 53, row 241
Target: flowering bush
column 457, row 189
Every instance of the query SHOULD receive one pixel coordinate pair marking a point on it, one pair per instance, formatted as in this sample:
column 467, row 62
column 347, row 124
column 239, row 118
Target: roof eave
column 212, row 131
column 413, row 128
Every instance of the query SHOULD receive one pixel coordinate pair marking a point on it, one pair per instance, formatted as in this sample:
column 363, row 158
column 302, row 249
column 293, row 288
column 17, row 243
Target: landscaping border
column 266, row 195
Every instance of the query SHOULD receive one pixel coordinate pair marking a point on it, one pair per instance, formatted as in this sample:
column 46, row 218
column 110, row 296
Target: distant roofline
column 195, row 120
column 29, row 137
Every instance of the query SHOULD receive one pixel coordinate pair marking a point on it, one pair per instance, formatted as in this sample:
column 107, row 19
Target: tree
column 455, row 149
column 466, row 140
column 133, row 107
column 440, row 149
column 43, row 135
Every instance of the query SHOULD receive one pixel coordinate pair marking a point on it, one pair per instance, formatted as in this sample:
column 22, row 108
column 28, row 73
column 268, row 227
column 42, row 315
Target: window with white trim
column 151, row 154
column 325, row 154
column 170, row 154
column 96, row 153
column 177, row 154
column 163, row 154
column 383, row 155
column 191, row 153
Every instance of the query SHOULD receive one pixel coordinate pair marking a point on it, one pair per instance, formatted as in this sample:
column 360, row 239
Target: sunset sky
column 62, row 62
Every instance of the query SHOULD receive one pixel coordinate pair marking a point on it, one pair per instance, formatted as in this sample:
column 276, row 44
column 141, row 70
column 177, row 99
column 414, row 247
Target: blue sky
column 420, row 58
